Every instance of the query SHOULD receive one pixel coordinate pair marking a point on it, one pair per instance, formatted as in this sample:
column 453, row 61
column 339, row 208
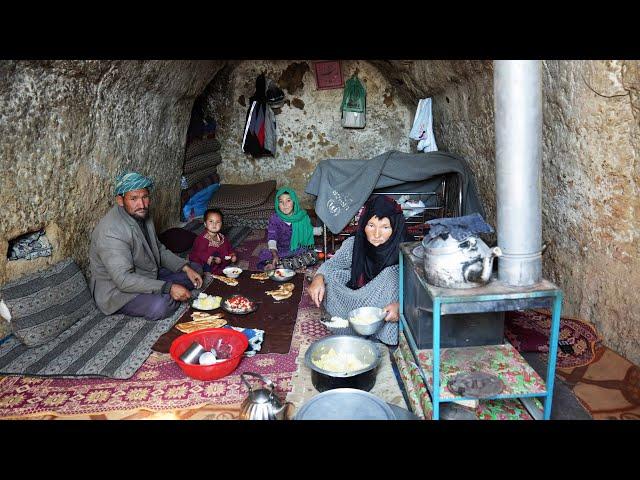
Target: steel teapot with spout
column 451, row 263
column 262, row 403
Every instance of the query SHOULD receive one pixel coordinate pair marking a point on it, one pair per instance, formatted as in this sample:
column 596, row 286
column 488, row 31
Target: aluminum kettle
column 262, row 403
column 451, row 263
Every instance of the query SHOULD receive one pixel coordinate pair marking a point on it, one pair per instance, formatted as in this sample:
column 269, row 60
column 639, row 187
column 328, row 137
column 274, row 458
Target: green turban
column 128, row 181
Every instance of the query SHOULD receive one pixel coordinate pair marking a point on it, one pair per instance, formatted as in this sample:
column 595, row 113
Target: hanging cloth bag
column 422, row 129
column 354, row 104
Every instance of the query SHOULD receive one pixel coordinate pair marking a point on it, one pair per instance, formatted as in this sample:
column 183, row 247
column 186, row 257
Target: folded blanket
column 190, row 191
column 199, row 146
column 197, row 176
column 201, row 162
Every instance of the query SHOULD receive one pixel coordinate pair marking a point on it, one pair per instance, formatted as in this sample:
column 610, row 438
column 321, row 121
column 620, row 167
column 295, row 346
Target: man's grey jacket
column 123, row 265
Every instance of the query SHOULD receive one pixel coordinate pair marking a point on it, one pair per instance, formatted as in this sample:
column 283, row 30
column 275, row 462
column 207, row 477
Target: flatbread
column 201, row 324
column 288, row 287
column 282, row 290
column 232, row 282
column 205, row 316
column 260, row 276
column 281, row 296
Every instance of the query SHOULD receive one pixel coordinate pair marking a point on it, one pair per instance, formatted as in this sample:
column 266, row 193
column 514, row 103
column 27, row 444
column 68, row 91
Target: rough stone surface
column 308, row 125
column 68, row 127
column 590, row 178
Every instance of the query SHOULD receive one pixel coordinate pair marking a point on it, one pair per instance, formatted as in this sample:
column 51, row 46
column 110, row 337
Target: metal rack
column 446, row 201
column 435, row 364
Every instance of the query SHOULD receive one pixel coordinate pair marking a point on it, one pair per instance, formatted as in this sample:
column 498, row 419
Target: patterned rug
column 252, row 245
column 528, row 331
column 158, row 386
column 608, row 387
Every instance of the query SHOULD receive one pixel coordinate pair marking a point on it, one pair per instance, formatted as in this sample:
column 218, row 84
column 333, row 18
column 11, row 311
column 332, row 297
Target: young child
column 289, row 231
column 211, row 249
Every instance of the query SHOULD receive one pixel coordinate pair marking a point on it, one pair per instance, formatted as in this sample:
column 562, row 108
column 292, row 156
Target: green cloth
column 302, row 230
column 129, row 181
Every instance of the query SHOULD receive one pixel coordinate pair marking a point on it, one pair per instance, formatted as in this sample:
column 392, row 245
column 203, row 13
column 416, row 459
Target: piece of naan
column 232, row 282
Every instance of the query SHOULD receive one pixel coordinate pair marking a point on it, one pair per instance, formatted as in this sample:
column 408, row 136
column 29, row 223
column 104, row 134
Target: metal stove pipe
column 517, row 88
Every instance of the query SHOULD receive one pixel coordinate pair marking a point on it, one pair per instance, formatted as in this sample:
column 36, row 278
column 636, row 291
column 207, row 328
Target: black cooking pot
column 362, row 349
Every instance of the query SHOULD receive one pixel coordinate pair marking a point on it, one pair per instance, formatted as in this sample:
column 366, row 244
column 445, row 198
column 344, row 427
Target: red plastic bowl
column 208, row 339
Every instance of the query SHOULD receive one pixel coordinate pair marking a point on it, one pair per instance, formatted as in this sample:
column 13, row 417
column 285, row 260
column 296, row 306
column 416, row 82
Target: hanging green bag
column 354, row 98
column 354, row 103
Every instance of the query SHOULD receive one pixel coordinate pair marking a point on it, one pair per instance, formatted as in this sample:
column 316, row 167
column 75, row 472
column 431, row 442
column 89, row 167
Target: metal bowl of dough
column 376, row 316
column 362, row 349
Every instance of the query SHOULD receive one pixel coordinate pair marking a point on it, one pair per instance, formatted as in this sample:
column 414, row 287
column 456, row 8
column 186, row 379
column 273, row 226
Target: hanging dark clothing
column 259, row 131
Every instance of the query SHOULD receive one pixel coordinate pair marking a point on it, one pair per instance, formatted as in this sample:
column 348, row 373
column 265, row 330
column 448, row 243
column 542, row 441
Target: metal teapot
column 262, row 404
column 451, row 263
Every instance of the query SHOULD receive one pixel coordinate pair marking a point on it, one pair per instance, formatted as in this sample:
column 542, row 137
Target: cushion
column 198, row 146
column 239, row 197
column 199, row 175
column 528, row 331
column 46, row 303
column 177, row 240
column 201, row 162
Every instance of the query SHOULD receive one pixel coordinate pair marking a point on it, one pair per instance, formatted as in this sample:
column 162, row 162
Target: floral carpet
column 159, row 385
column 608, row 387
column 528, row 331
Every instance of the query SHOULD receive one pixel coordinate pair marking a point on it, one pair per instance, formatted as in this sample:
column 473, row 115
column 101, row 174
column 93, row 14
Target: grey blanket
column 342, row 186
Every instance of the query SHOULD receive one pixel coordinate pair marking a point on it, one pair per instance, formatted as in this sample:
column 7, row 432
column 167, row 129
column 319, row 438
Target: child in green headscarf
column 289, row 232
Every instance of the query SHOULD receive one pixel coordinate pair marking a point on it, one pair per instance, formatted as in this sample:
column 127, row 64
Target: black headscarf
column 367, row 259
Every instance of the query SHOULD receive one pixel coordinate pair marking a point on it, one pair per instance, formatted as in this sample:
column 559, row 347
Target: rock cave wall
column 590, row 178
column 308, row 125
column 68, row 127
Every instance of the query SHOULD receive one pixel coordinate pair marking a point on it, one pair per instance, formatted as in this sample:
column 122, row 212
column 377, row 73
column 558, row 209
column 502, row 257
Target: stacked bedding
column 200, row 169
column 246, row 205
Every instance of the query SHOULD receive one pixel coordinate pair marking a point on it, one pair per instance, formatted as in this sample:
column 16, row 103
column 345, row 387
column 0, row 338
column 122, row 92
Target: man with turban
column 131, row 271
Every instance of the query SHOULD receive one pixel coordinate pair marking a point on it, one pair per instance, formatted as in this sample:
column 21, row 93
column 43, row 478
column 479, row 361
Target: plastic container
column 208, row 338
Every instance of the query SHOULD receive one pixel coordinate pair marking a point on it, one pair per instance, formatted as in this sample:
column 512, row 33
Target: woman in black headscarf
column 364, row 272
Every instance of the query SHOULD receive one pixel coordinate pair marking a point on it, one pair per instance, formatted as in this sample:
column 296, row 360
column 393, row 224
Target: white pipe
column 518, row 123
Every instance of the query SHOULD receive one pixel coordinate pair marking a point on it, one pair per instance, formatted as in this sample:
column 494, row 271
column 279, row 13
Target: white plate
column 287, row 274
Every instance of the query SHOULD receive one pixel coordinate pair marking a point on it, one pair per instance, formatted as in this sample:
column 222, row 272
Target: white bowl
column 232, row 272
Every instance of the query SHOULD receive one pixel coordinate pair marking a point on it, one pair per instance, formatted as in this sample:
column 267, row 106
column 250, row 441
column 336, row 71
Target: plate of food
column 239, row 305
column 206, row 302
column 282, row 274
column 232, row 272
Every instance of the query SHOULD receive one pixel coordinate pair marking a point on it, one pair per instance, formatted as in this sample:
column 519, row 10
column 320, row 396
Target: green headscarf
column 302, row 230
